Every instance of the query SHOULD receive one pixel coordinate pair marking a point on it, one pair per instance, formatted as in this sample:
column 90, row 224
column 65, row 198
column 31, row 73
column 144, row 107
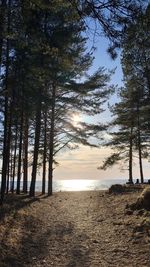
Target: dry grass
column 75, row 229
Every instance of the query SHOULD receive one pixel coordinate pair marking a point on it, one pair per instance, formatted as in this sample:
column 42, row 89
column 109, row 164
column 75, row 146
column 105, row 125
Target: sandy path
column 75, row 230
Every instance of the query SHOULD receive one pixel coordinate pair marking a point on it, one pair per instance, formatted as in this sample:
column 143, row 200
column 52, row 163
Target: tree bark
column 36, row 145
column 8, row 178
column 139, row 146
column 9, row 175
column 8, row 144
column 11, row 170
column 6, row 105
column 20, row 155
column 44, row 153
column 25, row 158
column 14, row 159
column 131, row 156
column 51, row 142
column 2, row 23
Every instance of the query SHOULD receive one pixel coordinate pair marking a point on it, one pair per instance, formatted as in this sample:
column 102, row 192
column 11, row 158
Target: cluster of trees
column 42, row 60
column 131, row 114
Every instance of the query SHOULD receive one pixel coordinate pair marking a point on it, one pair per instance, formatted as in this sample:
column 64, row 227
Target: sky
column 83, row 162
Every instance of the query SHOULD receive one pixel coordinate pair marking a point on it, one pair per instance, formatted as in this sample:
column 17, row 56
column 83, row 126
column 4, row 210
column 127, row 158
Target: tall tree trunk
column 2, row 23
column 131, row 156
column 44, row 153
column 20, row 154
column 140, row 162
column 11, row 169
column 139, row 146
column 45, row 126
column 14, row 159
column 9, row 143
column 25, row 158
column 51, row 142
column 9, row 175
column 6, row 105
column 8, row 178
column 36, row 145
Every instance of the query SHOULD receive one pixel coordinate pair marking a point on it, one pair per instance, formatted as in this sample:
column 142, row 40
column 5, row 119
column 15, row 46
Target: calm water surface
column 80, row 185
column 77, row 185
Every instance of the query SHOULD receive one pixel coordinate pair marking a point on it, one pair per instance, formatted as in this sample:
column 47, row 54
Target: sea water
column 83, row 185
column 78, row 185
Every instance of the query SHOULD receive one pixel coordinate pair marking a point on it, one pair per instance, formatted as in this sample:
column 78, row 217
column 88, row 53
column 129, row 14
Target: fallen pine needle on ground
column 74, row 229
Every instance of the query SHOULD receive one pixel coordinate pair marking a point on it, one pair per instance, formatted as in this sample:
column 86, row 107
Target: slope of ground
column 75, row 229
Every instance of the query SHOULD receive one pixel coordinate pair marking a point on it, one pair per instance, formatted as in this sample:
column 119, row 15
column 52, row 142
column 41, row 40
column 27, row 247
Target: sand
column 74, row 229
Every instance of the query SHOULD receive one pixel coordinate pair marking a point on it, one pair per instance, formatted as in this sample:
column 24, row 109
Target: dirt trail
column 79, row 229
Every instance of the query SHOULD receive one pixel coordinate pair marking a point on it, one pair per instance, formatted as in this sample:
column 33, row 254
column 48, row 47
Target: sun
column 76, row 118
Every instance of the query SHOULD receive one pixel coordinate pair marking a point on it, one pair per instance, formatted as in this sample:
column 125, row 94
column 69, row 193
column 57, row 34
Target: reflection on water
column 81, row 185
column 78, row 185
column 75, row 185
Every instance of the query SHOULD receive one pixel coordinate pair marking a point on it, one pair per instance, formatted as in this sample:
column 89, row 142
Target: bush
column 116, row 189
column 144, row 200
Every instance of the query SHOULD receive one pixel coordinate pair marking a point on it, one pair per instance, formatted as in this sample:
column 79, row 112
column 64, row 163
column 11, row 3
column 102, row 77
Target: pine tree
column 122, row 141
column 131, row 112
column 135, row 61
column 7, row 120
column 111, row 17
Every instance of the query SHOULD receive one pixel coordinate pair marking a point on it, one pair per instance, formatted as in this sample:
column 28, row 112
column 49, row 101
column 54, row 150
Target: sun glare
column 77, row 185
column 76, row 118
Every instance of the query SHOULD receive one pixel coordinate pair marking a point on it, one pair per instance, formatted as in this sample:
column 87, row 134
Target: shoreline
column 127, row 186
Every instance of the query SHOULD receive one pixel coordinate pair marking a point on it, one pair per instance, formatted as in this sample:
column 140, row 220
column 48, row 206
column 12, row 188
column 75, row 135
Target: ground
column 75, row 229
